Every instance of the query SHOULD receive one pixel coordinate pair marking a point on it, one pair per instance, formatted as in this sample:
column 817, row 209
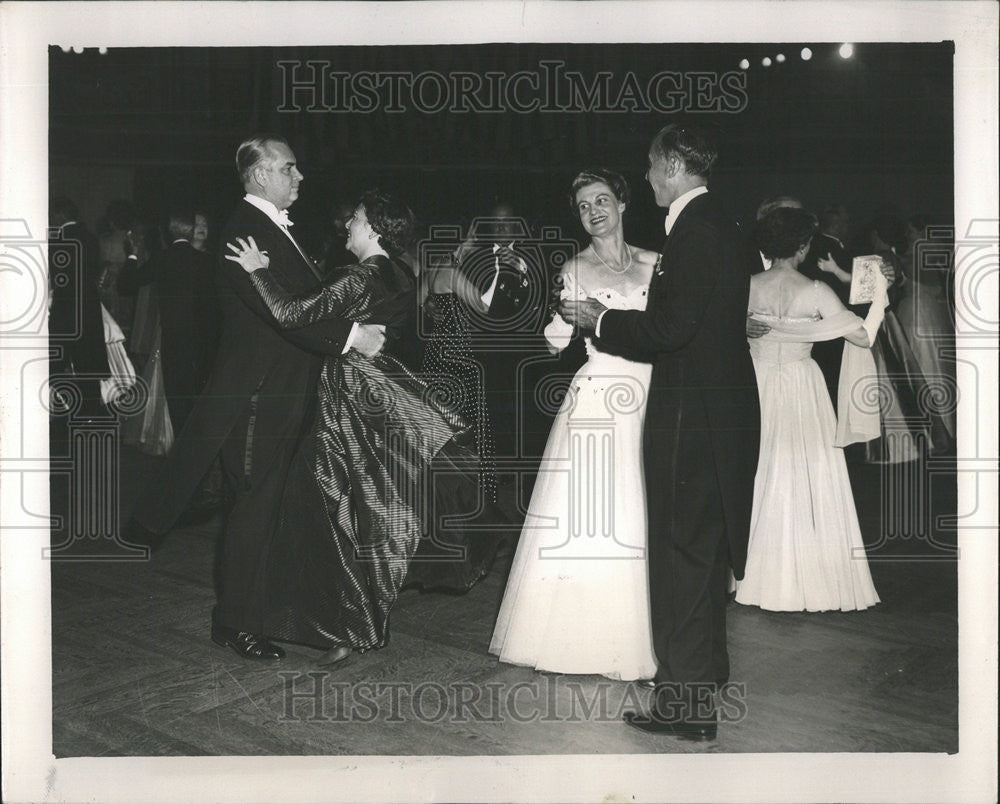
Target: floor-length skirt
column 450, row 366
column 806, row 551
column 912, row 424
column 927, row 325
column 577, row 598
column 150, row 430
column 370, row 504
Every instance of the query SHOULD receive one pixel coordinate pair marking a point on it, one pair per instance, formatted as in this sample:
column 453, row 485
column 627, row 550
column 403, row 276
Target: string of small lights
column 845, row 51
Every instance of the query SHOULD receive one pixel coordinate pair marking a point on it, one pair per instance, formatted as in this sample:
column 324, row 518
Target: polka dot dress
column 451, row 368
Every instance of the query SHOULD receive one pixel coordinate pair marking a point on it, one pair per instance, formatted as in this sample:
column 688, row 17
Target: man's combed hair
column 779, row 234
column 180, row 224
column 590, row 176
column 252, row 152
column 690, row 144
column 390, row 219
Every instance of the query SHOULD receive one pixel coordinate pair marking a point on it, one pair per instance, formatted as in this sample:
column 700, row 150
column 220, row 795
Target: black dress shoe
column 247, row 645
column 337, row 655
column 699, row 732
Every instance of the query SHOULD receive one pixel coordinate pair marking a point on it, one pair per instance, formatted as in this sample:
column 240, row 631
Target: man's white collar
column 678, row 205
column 279, row 216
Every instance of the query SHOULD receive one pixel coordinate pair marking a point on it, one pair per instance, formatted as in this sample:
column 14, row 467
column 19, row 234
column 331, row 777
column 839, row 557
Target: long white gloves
column 558, row 331
column 876, row 313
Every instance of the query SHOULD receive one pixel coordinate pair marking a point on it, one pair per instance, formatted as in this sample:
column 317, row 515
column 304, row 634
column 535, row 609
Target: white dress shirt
column 280, row 219
column 487, row 297
column 668, row 224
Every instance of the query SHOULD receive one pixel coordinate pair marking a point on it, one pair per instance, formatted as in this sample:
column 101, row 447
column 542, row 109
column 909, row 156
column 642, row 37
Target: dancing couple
column 661, row 426
column 342, row 462
column 646, row 497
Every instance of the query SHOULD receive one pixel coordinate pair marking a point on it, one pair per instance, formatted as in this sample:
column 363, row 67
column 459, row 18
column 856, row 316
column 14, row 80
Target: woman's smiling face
column 599, row 209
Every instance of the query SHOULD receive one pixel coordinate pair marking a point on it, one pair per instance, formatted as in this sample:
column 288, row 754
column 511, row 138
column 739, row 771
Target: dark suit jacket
column 695, row 326
column 255, row 358
column 75, row 320
column 189, row 317
column 514, row 283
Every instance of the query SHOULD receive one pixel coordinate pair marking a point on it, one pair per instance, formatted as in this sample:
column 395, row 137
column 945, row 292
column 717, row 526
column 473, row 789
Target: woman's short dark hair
column 779, row 234
column 590, row 176
column 390, row 219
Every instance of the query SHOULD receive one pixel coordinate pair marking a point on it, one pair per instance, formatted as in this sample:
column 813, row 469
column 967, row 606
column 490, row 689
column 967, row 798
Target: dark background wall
column 159, row 125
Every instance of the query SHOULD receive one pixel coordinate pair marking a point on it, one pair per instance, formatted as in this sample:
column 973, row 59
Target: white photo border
column 32, row 774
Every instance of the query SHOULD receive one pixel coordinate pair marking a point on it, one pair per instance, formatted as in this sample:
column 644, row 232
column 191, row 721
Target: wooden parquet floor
column 135, row 673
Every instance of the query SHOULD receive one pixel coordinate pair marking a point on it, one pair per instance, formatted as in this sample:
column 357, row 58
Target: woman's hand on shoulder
column 247, row 255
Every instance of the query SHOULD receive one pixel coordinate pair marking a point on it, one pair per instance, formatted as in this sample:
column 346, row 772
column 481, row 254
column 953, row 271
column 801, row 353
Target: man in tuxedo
column 701, row 432
column 185, row 292
column 829, row 262
column 76, row 324
column 498, row 261
column 254, row 407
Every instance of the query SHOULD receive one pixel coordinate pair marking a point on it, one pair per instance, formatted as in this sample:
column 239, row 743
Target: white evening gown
column 806, row 552
column 577, row 599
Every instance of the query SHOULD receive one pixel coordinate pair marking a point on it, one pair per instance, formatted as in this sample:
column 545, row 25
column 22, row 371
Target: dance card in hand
column 863, row 272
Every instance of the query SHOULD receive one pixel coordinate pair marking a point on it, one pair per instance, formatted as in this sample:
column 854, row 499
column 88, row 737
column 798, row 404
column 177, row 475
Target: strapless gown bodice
column 614, row 299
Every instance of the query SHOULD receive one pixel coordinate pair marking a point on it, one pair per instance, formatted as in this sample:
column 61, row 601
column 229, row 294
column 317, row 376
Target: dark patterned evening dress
column 377, row 483
column 448, row 363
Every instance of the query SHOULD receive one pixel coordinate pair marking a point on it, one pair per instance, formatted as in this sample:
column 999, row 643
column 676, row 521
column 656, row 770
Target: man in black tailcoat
column 501, row 259
column 701, row 433
column 184, row 280
column 254, row 407
column 829, row 261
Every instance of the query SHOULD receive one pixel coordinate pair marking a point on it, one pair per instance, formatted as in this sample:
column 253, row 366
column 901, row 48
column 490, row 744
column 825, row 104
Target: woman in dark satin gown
column 386, row 462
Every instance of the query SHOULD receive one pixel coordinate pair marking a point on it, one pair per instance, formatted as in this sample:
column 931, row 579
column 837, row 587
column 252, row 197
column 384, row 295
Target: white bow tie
column 283, row 218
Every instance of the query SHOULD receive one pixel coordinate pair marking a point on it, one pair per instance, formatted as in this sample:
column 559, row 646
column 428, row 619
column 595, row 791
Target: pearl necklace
column 614, row 270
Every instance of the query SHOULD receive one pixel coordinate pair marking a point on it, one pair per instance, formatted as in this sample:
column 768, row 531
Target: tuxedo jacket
column 257, row 364
column 189, row 318
column 694, row 328
column 514, row 283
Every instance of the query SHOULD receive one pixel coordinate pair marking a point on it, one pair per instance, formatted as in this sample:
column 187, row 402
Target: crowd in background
column 146, row 290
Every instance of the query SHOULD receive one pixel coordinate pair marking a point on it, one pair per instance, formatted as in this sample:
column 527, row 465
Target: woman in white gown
column 806, row 552
column 577, row 598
